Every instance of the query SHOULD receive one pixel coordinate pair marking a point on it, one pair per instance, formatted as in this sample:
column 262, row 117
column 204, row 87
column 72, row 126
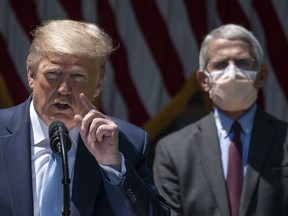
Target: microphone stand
column 60, row 143
column 65, row 181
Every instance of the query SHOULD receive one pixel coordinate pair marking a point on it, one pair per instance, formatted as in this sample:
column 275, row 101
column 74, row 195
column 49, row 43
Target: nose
column 231, row 63
column 234, row 72
column 64, row 87
column 231, row 70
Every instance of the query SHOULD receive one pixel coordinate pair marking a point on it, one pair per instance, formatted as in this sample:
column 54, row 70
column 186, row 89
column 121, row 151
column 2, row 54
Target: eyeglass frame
column 254, row 65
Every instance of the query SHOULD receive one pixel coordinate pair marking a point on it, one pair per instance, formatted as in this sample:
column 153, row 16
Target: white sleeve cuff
column 115, row 177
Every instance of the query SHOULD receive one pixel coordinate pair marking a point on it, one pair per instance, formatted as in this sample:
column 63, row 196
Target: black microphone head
column 58, row 133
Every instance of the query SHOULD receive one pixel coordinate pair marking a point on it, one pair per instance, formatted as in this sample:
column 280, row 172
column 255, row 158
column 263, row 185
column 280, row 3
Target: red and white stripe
column 159, row 47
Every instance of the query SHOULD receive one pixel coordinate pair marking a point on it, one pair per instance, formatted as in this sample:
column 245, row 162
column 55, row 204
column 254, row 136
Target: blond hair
column 68, row 37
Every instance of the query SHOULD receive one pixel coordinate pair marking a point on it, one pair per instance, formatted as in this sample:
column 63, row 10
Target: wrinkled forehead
column 225, row 47
column 64, row 59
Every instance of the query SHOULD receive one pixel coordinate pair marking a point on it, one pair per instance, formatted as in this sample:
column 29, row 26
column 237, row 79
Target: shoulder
column 186, row 134
column 129, row 131
column 271, row 123
column 7, row 112
column 262, row 117
column 133, row 140
column 22, row 107
column 127, row 127
column 12, row 118
column 181, row 148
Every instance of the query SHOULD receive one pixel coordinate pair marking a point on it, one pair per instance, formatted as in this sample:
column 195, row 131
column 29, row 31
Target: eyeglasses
column 245, row 64
column 242, row 73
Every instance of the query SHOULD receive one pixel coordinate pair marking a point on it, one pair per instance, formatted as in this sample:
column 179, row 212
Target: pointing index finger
column 85, row 101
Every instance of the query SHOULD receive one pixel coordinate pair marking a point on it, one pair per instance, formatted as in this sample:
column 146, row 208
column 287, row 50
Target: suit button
column 131, row 195
column 133, row 198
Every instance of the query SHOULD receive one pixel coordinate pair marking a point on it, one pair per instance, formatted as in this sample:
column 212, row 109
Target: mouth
column 62, row 106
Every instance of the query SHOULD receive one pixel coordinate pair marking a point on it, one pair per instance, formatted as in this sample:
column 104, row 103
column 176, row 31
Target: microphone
column 60, row 143
column 58, row 134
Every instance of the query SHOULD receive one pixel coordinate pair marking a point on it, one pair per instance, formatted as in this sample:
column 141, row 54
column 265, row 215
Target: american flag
column 150, row 78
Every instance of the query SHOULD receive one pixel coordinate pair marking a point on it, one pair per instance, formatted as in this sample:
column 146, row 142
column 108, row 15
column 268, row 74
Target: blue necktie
column 51, row 199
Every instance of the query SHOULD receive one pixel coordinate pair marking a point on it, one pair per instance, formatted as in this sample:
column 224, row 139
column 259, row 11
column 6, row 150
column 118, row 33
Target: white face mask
column 232, row 89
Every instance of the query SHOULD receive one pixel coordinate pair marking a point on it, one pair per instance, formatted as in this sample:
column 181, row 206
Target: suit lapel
column 87, row 178
column 210, row 157
column 17, row 145
column 15, row 151
column 260, row 143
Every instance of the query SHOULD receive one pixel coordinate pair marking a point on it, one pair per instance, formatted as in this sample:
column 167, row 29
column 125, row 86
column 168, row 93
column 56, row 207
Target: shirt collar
column 39, row 130
column 224, row 123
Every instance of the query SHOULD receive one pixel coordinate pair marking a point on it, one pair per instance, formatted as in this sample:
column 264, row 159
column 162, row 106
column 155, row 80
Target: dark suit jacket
column 188, row 170
column 92, row 193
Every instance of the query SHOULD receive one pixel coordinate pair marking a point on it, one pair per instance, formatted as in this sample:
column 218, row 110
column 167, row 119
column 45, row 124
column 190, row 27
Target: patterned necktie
column 235, row 170
column 51, row 198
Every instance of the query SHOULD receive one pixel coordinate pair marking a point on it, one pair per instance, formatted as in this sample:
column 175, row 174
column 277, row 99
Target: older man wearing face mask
column 234, row 161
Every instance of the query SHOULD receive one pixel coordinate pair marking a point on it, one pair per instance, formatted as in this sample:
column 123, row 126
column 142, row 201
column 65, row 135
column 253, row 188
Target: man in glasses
column 234, row 161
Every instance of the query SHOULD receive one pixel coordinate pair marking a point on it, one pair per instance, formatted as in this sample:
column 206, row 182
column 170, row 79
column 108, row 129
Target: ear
column 261, row 77
column 203, row 80
column 30, row 77
column 98, row 88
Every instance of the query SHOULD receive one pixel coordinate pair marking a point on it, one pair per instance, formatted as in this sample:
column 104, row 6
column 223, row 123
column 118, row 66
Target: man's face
column 223, row 52
column 57, row 84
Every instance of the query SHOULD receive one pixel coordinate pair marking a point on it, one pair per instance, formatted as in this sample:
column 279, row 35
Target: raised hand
column 100, row 135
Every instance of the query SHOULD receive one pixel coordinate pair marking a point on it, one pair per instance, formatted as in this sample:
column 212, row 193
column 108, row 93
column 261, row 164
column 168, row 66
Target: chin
column 65, row 120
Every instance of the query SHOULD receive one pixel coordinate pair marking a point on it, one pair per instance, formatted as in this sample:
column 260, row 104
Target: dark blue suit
column 91, row 193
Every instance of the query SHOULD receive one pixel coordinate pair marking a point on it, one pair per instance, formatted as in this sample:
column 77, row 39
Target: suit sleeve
column 166, row 179
column 136, row 195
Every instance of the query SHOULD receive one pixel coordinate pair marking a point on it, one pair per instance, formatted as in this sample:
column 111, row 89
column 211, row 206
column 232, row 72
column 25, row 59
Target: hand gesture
column 100, row 135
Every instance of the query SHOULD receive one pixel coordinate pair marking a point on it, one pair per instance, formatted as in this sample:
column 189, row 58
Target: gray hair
column 68, row 37
column 231, row 32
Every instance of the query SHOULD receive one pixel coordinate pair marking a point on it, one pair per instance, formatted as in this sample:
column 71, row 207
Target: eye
column 52, row 75
column 244, row 63
column 218, row 65
column 79, row 77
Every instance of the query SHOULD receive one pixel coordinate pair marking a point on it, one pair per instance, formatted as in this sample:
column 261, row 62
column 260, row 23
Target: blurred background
column 151, row 77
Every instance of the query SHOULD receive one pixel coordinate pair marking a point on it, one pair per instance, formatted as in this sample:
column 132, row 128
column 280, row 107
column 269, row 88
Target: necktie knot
column 236, row 129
